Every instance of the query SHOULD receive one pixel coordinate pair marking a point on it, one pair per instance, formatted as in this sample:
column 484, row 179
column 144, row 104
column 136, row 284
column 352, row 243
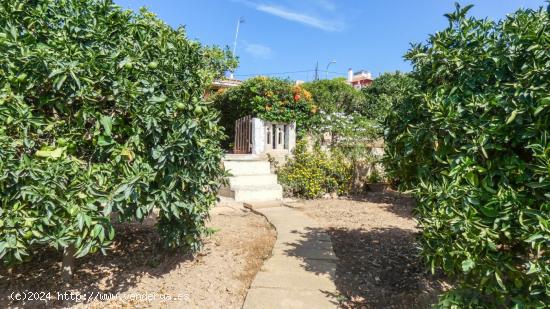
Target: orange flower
column 268, row 108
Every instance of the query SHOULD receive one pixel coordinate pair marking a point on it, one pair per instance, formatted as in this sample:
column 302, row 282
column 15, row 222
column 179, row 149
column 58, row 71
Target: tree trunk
column 67, row 267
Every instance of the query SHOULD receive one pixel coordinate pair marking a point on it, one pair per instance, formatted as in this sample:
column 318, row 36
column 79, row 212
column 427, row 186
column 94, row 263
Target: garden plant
column 270, row 99
column 101, row 112
column 473, row 145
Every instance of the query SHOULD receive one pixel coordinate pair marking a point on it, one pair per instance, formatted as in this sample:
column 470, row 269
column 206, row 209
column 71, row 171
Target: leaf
column 468, row 265
column 98, row 229
column 512, row 117
column 107, row 123
column 472, row 178
column 128, row 154
column 54, row 154
column 80, row 220
column 499, row 280
column 108, row 209
column 538, row 110
column 534, row 237
column 545, row 102
column 60, row 80
column 488, row 211
column 83, row 250
column 104, row 140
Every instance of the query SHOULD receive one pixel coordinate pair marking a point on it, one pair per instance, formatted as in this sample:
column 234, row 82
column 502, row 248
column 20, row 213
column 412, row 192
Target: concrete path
column 301, row 270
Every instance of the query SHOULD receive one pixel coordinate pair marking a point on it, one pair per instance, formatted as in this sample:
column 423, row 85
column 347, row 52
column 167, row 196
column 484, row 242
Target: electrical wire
column 290, row 72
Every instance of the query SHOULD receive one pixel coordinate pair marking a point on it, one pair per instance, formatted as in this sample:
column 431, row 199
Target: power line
column 289, row 72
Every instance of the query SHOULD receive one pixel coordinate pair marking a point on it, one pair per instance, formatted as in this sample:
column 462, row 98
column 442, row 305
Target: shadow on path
column 136, row 253
column 377, row 268
column 398, row 203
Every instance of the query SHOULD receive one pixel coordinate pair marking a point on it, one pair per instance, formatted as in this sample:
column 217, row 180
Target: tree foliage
column 101, row 111
column 387, row 91
column 335, row 96
column 474, row 146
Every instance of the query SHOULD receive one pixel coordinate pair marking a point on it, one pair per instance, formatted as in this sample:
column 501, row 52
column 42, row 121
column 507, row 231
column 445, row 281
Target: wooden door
column 243, row 135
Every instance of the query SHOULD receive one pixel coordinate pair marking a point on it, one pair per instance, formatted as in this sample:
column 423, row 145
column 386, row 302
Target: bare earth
column 374, row 239
column 218, row 277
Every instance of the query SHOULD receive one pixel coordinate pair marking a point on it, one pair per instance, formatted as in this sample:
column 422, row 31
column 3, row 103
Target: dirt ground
column 374, row 237
column 146, row 276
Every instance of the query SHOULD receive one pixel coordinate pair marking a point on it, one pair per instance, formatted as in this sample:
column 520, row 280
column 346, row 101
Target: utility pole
column 316, row 71
column 239, row 22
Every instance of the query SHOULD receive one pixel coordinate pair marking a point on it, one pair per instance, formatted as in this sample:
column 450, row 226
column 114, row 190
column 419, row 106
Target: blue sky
column 292, row 35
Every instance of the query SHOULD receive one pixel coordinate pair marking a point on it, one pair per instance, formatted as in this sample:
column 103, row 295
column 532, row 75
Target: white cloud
column 298, row 14
column 258, row 50
column 305, row 19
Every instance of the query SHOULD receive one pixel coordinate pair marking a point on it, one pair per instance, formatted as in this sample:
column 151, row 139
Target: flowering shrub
column 270, row 99
column 312, row 174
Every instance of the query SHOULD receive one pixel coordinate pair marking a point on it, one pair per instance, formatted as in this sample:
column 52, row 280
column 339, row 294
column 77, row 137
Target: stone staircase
column 251, row 179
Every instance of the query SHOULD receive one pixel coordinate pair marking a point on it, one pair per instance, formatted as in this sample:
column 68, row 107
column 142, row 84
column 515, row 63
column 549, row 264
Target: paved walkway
column 301, row 270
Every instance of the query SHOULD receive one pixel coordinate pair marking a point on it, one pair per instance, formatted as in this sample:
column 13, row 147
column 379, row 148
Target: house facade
column 359, row 79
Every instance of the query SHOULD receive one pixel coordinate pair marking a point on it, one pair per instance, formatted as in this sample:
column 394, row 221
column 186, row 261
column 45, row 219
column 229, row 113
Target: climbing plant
column 101, row 112
column 473, row 144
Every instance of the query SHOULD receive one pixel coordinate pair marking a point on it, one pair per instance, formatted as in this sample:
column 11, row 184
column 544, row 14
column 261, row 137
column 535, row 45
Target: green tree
column 473, row 145
column 387, row 91
column 101, row 111
column 335, row 96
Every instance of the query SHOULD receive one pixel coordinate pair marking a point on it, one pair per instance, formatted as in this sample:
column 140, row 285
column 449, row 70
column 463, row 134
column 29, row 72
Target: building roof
column 226, row 83
column 361, row 76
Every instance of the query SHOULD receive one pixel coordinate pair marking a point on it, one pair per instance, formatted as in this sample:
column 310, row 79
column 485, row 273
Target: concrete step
column 247, row 167
column 254, row 193
column 244, row 157
column 253, row 180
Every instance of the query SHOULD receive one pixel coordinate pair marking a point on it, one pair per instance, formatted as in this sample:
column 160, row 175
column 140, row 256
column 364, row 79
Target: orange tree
column 101, row 111
column 270, row 99
column 473, row 144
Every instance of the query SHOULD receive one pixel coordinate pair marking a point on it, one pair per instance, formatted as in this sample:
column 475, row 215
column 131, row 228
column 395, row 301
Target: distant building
column 360, row 79
column 225, row 83
column 220, row 85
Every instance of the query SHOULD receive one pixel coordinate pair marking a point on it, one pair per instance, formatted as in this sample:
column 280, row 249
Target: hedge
column 101, row 111
column 473, row 144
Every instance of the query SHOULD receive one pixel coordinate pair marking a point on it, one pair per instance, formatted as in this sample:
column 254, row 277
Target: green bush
column 270, row 99
column 101, row 111
column 473, row 144
column 310, row 174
